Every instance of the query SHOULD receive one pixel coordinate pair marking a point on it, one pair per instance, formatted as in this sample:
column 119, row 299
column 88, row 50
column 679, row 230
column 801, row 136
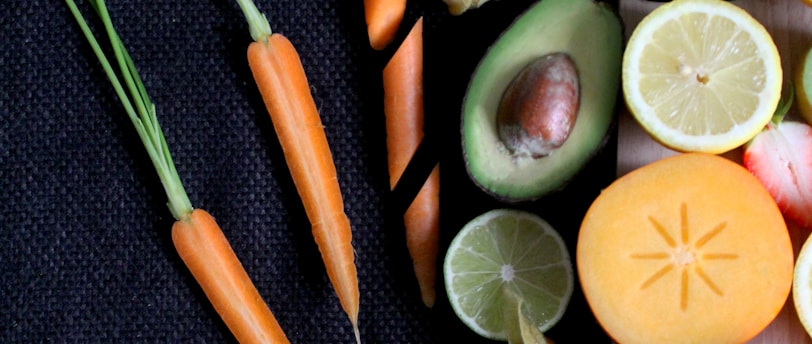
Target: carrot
column 206, row 252
column 383, row 18
column 198, row 239
column 403, row 107
column 281, row 80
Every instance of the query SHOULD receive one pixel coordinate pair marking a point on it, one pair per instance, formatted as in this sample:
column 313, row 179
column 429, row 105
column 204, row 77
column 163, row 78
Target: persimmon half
column 687, row 249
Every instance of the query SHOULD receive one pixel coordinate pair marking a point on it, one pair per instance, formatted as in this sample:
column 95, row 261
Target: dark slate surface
column 85, row 248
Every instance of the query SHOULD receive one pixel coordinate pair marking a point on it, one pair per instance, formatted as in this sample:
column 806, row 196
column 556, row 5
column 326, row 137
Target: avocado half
column 591, row 34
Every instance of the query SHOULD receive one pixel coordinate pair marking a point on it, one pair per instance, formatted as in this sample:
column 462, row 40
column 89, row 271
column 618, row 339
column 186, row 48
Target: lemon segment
column 701, row 75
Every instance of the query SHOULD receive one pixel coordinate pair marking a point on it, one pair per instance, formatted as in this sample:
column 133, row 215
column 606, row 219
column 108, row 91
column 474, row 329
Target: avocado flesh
column 591, row 33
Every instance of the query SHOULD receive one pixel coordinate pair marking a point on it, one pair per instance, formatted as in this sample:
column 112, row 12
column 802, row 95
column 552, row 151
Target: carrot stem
column 403, row 107
column 143, row 116
column 283, row 85
column 198, row 239
column 258, row 24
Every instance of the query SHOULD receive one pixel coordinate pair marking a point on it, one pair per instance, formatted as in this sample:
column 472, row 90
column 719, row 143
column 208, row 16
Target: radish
column 780, row 156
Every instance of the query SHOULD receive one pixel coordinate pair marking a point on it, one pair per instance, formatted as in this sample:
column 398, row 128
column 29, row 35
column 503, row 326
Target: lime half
column 505, row 254
column 802, row 285
column 803, row 85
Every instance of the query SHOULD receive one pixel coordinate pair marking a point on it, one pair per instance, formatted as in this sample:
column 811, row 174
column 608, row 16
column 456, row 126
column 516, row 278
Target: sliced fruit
column 701, row 75
column 687, row 249
column 520, row 329
column 802, row 285
column 506, row 261
column 803, row 85
column 547, row 28
column 781, row 158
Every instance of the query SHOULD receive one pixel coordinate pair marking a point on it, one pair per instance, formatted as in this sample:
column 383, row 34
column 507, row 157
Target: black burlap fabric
column 85, row 248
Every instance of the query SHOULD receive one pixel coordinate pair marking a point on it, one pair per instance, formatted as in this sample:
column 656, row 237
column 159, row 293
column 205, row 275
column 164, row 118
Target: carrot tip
column 429, row 298
column 357, row 333
column 379, row 38
column 383, row 21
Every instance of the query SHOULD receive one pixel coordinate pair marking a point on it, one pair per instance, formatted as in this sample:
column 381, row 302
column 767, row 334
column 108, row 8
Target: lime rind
column 508, row 252
column 802, row 286
column 803, row 86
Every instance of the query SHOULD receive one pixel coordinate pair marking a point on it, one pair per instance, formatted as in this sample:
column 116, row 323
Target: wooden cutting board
column 790, row 24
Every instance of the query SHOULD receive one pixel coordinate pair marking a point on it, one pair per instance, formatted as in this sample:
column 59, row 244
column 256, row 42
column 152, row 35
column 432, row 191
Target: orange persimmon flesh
column 687, row 249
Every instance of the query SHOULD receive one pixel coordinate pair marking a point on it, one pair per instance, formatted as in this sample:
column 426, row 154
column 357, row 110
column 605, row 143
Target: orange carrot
column 198, row 239
column 280, row 77
column 208, row 255
column 383, row 19
column 403, row 106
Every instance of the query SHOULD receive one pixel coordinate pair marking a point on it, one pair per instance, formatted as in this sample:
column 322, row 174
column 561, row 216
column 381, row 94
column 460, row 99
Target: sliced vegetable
column 383, row 19
column 198, row 239
column 280, row 77
column 403, row 106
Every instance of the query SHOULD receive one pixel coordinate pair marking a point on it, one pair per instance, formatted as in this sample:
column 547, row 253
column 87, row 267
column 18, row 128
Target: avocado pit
column 539, row 107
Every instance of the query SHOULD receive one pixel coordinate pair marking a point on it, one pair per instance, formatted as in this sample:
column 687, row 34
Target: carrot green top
column 257, row 22
column 142, row 113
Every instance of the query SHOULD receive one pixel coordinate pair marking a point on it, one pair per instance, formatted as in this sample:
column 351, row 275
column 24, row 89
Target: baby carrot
column 383, row 19
column 198, row 239
column 281, row 80
column 403, row 107
column 204, row 249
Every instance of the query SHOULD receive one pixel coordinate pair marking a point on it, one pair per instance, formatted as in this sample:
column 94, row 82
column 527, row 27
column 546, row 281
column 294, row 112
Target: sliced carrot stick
column 197, row 237
column 403, row 106
column 280, row 77
column 383, row 19
column 422, row 223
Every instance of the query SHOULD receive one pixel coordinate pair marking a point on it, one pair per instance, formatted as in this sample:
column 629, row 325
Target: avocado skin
column 591, row 34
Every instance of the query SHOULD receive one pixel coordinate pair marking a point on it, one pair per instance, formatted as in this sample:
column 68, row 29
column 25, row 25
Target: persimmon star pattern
column 683, row 256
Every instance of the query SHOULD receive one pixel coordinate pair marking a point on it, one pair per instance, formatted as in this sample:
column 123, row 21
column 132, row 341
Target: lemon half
column 701, row 75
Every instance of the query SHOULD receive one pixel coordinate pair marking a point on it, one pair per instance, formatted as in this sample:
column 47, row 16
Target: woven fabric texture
column 85, row 248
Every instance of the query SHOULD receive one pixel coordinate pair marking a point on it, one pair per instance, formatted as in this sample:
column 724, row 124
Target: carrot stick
column 281, row 80
column 198, row 239
column 403, row 106
column 383, row 18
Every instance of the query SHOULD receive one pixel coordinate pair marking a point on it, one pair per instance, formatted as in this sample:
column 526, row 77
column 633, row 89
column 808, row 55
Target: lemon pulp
column 701, row 75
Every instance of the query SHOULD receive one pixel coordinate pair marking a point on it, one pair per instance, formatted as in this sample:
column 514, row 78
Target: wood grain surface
column 790, row 24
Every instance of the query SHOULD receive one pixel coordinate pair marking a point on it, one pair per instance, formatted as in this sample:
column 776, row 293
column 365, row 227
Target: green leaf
column 785, row 103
